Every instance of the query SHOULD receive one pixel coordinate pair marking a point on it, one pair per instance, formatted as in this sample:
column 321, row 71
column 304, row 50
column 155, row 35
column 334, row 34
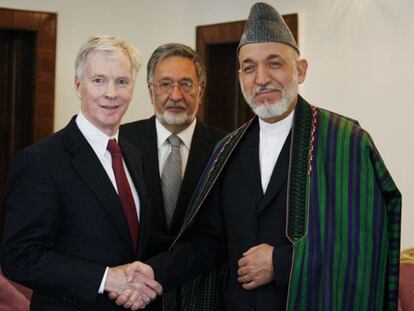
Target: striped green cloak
column 343, row 214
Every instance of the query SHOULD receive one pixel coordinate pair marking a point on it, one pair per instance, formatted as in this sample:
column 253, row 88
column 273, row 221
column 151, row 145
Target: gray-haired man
column 76, row 209
column 176, row 82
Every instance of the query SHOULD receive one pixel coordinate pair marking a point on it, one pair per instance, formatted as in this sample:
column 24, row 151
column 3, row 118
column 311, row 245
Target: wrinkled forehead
column 108, row 55
column 257, row 52
column 114, row 60
column 175, row 67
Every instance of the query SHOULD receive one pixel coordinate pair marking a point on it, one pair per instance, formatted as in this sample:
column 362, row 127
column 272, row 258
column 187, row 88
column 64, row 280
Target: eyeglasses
column 166, row 86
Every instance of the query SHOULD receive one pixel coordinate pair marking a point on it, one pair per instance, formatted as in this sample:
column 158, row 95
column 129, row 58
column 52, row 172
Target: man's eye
column 123, row 82
column 248, row 69
column 165, row 86
column 98, row 81
column 186, row 85
column 275, row 64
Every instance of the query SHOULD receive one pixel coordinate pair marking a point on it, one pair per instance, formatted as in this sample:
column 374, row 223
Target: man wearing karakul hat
column 298, row 201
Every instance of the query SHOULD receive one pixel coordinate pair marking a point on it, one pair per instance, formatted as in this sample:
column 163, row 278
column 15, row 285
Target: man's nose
column 262, row 76
column 111, row 91
column 176, row 93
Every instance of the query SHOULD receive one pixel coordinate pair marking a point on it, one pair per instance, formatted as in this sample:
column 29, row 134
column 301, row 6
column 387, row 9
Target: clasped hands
column 132, row 285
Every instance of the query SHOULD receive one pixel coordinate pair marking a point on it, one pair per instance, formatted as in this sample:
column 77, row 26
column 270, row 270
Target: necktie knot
column 174, row 140
column 113, row 146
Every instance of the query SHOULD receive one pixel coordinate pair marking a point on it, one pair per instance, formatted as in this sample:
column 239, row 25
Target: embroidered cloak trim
column 343, row 213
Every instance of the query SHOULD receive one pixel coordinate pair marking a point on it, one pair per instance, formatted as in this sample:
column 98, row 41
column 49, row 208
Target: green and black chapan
column 344, row 213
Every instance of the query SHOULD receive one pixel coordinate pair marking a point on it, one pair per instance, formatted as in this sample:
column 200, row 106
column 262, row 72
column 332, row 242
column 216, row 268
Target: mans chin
column 270, row 110
column 175, row 119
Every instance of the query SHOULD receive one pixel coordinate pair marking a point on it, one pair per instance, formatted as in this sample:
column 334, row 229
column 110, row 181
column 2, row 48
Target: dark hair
column 176, row 49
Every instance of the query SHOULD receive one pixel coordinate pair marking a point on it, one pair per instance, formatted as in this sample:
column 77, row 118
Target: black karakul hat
column 265, row 24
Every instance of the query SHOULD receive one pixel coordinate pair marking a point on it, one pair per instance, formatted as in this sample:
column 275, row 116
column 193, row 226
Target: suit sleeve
column 282, row 256
column 30, row 253
column 200, row 249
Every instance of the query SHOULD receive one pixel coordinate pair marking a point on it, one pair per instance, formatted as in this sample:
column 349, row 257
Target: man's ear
column 201, row 91
column 150, row 91
column 239, row 72
column 200, row 95
column 302, row 67
column 77, row 86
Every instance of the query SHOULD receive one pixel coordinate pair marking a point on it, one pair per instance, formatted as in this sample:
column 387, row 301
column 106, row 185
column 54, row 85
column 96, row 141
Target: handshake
column 132, row 285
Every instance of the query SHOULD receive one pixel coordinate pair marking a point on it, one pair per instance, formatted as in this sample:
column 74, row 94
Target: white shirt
column 271, row 140
column 164, row 148
column 99, row 141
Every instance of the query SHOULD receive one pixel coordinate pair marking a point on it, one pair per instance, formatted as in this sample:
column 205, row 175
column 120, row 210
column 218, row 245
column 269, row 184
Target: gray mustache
column 172, row 104
column 262, row 88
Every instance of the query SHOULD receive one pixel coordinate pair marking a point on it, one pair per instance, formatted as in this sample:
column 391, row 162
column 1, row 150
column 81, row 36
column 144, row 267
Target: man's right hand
column 132, row 285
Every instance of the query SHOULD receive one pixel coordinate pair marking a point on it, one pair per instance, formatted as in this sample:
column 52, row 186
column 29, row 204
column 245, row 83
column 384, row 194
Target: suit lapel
column 201, row 142
column 250, row 163
column 88, row 166
column 148, row 146
column 134, row 162
column 148, row 142
column 279, row 174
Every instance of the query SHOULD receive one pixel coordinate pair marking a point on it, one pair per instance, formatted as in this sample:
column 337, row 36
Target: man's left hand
column 256, row 266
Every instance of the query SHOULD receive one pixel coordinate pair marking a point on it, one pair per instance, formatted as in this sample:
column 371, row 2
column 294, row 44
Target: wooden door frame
column 228, row 33
column 44, row 25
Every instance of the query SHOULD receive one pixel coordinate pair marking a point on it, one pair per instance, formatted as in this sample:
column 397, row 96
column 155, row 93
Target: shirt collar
column 279, row 127
column 95, row 137
column 185, row 135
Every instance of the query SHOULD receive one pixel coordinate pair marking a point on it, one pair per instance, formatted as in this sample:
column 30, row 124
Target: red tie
column 124, row 190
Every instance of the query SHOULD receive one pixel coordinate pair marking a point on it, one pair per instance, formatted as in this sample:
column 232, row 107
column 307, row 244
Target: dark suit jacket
column 235, row 217
column 65, row 223
column 143, row 135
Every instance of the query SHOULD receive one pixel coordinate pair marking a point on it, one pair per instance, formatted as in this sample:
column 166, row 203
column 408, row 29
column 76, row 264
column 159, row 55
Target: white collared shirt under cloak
column 164, row 148
column 271, row 140
column 98, row 140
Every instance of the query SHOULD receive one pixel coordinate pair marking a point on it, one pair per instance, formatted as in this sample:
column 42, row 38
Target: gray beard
column 268, row 110
column 174, row 118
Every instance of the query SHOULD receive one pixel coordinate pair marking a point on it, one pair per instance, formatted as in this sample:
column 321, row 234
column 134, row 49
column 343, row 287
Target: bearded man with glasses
column 176, row 82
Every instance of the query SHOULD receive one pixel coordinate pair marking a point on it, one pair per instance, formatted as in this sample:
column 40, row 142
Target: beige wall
column 146, row 24
column 359, row 52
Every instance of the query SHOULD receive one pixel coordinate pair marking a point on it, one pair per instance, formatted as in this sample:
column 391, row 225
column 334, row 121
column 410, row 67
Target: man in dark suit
column 76, row 212
column 176, row 82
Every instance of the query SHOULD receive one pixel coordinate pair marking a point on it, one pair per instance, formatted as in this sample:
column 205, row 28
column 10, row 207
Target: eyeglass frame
column 173, row 84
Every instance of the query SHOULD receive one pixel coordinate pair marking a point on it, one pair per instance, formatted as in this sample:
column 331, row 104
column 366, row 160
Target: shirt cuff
column 102, row 286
